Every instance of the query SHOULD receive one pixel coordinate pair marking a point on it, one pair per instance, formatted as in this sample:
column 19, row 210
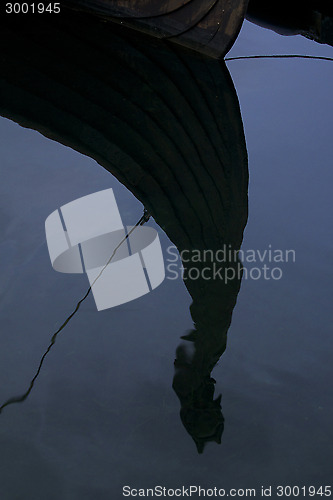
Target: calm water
column 103, row 413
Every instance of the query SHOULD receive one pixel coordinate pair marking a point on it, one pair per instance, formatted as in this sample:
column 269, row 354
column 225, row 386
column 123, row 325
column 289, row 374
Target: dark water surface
column 103, row 413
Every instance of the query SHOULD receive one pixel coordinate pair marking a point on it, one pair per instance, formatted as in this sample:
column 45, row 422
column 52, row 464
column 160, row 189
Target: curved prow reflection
column 211, row 310
column 167, row 124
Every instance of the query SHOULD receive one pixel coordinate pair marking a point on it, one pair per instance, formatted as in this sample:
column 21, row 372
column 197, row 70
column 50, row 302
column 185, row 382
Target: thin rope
column 23, row 397
column 280, row 56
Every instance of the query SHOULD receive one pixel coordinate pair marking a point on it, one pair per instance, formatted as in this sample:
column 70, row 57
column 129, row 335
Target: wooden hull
column 207, row 26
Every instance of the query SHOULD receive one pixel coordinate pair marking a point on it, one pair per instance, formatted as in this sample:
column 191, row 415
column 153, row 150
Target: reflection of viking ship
column 209, row 26
column 166, row 122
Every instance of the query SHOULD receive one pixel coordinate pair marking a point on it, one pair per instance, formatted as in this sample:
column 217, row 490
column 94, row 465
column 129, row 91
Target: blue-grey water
column 102, row 413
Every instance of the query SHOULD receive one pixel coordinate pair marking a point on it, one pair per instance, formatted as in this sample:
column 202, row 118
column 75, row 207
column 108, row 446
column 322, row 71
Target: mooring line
column 23, row 397
column 279, row 56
